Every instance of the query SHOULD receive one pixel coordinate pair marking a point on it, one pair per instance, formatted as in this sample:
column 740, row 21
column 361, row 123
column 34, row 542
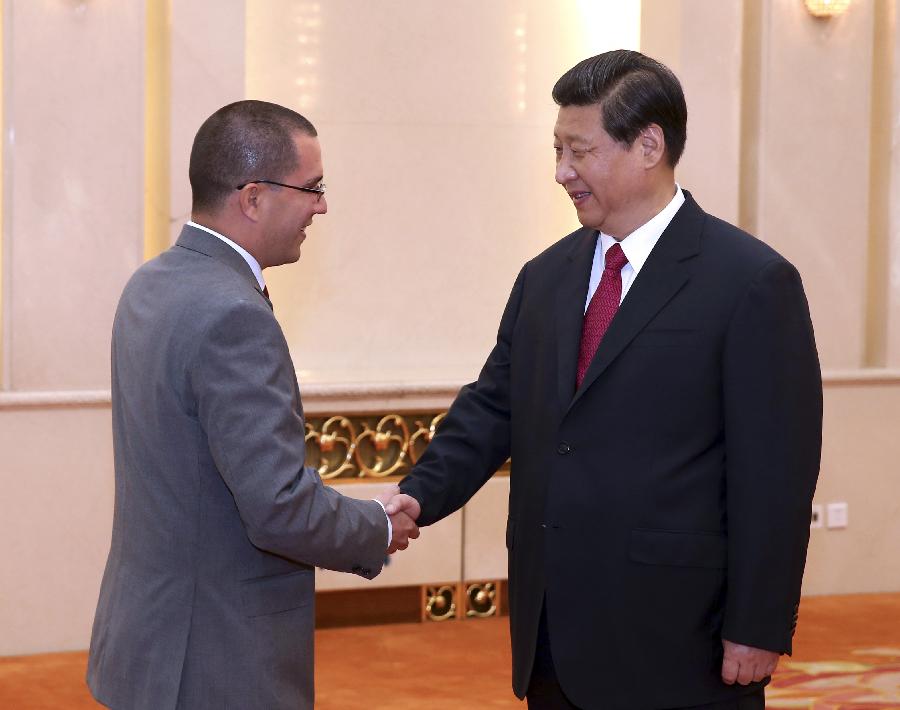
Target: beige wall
column 437, row 135
column 435, row 122
column 73, row 185
column 710, row 73
column 57, row 482
column 860, row 452
column 208, row 61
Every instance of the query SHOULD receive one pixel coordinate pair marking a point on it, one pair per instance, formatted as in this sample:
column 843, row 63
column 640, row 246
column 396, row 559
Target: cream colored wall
column 710, row 73
column 440, row 186
column 436, row 125
column 57, row 481
column 208, row 61
column 860, row 452
column 74, row 173
column 813, row 171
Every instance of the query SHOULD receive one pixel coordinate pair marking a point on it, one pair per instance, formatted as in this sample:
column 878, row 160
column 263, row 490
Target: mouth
column 579, row 196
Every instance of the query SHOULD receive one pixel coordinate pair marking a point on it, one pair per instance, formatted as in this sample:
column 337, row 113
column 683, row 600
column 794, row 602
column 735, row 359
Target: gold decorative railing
column 368, row 446
column 461, row 600
column 376, row 446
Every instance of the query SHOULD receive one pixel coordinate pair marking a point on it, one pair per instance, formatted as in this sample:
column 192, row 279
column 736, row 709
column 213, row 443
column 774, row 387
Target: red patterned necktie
column 602, row 308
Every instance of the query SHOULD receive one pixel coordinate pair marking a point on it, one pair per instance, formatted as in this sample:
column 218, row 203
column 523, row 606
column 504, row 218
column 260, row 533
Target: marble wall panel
column 813, row 169
column 406, row 278
column 485, row 554
column 701, row 41
column 436, row 124
column 56, row 520
column 208, row 54
column 859, row 467
column 73, row 79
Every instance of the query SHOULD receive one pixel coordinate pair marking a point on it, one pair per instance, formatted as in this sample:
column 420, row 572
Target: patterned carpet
column 872, row 681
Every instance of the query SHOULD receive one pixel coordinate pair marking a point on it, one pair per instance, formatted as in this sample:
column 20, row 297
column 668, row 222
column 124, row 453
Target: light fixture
column 827, row 8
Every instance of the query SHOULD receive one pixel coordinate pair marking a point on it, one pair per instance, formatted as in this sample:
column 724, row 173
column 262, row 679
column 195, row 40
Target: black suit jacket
column 665, row 504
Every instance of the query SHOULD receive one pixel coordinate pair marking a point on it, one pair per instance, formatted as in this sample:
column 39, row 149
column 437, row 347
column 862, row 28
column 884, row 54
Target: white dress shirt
column 248, row 257
column 637, row 247
column 257, row 272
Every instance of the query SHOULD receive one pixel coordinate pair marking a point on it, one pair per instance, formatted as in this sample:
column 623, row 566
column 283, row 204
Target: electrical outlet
column 817, row 519
column 837, row 515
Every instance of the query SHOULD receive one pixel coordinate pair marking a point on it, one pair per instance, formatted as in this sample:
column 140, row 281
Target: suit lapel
column 663, row 275
column 570, row 298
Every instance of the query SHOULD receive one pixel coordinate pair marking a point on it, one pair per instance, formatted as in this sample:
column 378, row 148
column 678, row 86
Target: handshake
column 403, row 511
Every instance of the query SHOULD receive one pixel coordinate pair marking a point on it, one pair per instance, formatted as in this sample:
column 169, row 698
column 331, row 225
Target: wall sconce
column 827, row 8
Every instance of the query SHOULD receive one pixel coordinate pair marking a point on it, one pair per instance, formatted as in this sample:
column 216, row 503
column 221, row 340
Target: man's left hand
column 745, row 664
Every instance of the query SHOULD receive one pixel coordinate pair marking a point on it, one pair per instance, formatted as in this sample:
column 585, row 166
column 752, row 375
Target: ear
column 652, row 144
column 249, row 199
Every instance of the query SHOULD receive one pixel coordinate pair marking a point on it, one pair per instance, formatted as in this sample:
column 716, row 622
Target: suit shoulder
column 735, row 250
column 191, row 290
column 197, row 274
column 726, row 238
column 562, row 248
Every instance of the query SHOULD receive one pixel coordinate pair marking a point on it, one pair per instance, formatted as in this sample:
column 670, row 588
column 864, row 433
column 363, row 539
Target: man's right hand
column 403, row 517
column 403, row 511
column 403, row 503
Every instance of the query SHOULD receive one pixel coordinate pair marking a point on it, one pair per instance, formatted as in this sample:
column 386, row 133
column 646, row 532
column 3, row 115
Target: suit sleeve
column 773, row 436
column 473, row 441
column 244, row 387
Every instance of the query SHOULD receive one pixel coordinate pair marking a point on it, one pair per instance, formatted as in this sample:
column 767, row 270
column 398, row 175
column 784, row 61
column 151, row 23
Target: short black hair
column 243, row 141
column 633, row 91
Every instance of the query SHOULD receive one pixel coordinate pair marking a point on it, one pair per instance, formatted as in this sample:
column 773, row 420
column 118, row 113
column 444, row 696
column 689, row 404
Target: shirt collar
column 638, row 245
column 248, row 257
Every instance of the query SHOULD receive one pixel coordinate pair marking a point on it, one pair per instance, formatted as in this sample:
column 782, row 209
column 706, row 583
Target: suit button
column 563, row 448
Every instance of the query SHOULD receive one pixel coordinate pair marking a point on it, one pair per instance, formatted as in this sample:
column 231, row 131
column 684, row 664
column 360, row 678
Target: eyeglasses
column 318, row 190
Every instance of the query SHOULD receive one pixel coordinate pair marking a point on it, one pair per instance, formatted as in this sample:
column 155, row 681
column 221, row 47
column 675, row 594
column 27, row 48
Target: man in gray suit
column 207, row 598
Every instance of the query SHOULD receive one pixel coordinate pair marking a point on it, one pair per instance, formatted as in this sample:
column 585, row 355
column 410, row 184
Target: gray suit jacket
column 207, row 598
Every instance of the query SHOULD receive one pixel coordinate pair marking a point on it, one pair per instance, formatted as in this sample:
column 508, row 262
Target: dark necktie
column 266, row 292
column 602, row 308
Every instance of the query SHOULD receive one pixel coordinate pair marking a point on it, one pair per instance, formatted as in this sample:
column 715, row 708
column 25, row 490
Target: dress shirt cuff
column 390, row 527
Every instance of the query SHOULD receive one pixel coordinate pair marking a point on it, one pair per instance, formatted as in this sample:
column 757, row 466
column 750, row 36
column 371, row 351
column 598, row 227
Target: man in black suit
column 656, row 383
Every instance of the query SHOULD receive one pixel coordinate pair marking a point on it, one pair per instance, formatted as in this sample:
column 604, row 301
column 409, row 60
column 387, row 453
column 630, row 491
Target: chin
column 589, row 220
column 590, row 223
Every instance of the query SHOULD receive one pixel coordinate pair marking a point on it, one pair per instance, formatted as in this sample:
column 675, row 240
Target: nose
column 321, row 205
column 564, row 171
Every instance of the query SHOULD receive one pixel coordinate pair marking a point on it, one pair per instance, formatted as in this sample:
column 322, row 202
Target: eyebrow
column 572, row 139
column 314, row 181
